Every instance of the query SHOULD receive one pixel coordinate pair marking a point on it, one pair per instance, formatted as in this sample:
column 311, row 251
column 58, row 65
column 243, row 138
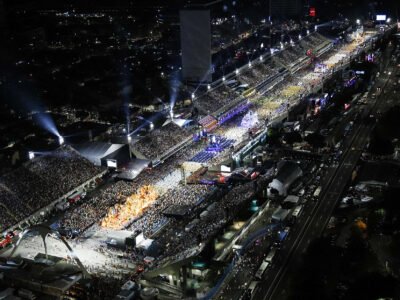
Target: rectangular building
column 196, row 44
column 282, row 9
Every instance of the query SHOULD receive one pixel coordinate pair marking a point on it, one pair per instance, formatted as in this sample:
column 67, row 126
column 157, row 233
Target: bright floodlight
column 262, row 45
column 249, row 64
column 237, row 71
column 299, row 36
column 192, row 95
column 358, row 21
column 129, row 138
column 223, row 78
column 60, row 140
column 31, row 155
column 151, row 126
column 388, row 20
column 308, row 32
column 261, row 58
column 208, row 86
column 315, row 27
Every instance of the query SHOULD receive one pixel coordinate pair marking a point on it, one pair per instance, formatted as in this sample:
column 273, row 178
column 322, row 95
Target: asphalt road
column 274, row 286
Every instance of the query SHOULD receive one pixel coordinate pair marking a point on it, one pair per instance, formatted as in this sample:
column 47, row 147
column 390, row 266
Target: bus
column 261, row 270
column 297, row 211
column 250, row 291
column 317, row 192
column 270, row 255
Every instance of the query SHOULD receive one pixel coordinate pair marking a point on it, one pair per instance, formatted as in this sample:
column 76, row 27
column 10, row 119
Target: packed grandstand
column 60, row 172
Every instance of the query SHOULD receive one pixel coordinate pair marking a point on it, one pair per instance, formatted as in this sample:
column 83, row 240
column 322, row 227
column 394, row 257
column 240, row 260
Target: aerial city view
column 200, row 149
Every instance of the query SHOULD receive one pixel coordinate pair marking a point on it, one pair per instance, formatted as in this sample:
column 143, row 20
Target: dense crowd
column 94, row 209
column 259, row 73
column 216, row 99
column 207, row 227
column 160, row 140
column 41, row 181
column 183, row 195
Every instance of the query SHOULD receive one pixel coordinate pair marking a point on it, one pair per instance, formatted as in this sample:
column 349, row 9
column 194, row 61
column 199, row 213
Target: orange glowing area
column 135, row 205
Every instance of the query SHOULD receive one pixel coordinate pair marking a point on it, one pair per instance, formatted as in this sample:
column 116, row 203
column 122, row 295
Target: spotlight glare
column 31, row 155
column 208, row 86
column 61, row 140
column 237, row 71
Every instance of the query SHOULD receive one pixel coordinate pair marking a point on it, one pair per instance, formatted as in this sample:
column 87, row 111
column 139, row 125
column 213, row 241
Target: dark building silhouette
column 281, row 9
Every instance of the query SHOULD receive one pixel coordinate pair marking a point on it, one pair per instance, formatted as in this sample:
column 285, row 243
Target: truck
column 191, row 225
column 63, row 205
column 75, row 197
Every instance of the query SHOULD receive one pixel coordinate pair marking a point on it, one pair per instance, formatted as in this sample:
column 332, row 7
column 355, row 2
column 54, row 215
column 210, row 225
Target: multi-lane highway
column 275, row 286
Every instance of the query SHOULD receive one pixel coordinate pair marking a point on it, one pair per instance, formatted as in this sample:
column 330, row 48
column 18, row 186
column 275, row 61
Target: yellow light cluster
column 135, row 205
